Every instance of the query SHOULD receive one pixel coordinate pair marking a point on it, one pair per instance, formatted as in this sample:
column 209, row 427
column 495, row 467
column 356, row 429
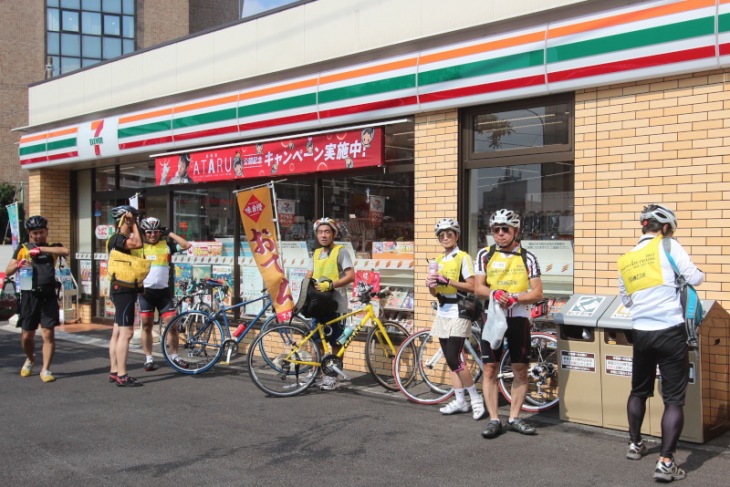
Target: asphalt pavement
column 219, row 429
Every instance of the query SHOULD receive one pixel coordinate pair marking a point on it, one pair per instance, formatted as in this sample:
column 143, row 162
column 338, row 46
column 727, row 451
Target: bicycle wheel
column 198, row 342
column 542, row 374
column 378, row 354
column 296, row 320
column 275, row 361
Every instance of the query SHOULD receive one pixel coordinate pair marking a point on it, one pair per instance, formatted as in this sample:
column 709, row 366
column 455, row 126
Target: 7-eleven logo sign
column 254, row 208
column 97, row 140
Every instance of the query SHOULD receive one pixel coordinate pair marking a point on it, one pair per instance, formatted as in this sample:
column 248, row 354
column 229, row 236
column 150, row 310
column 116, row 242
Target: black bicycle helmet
column 36, row 222
column 150, row 224
column 119, row 211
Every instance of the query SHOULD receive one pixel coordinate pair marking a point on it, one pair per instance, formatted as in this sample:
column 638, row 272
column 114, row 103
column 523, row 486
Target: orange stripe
column 206, row 103
column 381, row 68
column 483, row 47
column 307, row 83
column 142, row 116
column 622, row 19
column 48, row 135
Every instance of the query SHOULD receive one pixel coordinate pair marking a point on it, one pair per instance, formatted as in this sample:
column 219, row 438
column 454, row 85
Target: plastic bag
column 496, row 325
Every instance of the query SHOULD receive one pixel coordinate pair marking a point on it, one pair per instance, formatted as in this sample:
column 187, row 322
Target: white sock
column 473, row 394
column 459, row 393
column 150, row 358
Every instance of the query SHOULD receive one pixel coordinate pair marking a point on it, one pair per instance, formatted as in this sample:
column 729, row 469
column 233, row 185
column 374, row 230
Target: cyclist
column 125, row 239
column 332, row 271
column 159, row 244
column 39, row 304
column 512, row 275
column 455, row 273
column 648, row 289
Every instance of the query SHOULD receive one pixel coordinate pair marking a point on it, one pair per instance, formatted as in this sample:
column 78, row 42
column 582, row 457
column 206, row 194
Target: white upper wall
column 311, row 33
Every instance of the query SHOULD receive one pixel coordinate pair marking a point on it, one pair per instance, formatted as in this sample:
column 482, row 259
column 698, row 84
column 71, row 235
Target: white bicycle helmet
column 505, row 217
column 446, row 224
column 660, row 213
column 326, row 221
column 150, row 223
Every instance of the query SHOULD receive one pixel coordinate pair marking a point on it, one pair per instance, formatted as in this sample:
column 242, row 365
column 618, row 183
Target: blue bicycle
column 198, row 339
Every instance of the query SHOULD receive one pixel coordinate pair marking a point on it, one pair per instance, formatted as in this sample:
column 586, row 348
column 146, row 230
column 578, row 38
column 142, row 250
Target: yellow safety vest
column 157, row 253
column 327, row 267
column 507, row 273
column 450, row 269
column 642, row 269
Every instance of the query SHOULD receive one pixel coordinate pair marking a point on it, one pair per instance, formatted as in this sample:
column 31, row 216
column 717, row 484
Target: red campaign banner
column 327, row 152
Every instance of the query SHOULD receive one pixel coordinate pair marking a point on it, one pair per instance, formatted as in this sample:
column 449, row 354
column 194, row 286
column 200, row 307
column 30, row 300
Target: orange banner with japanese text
column 257, row 215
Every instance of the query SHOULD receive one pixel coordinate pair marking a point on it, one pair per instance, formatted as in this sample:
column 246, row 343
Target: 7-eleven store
column 575, row 116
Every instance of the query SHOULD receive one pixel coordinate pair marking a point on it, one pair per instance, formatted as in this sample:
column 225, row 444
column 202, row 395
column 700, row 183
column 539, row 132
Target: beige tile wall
column 50, row 196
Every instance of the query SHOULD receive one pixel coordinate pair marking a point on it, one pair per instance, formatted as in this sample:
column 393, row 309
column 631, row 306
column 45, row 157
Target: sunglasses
column 496, row 230
column 151, row 232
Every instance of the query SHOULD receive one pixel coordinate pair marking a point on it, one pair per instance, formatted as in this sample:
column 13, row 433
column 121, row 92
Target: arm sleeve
column 686, row 267
column 533, row 267
column 467, row 268
column 344, row 260
column 480, row 265
column 625, row 298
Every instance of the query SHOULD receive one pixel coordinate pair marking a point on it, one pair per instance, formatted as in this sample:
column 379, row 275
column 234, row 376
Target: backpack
column 691, row 304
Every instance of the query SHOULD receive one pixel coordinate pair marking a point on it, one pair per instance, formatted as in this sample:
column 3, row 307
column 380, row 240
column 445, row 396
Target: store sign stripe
column 63, row 155
column 369, row 107
column 206, row 133
column 367, row 89
column 633, row 63
column 299, row 101
column 144, row 129
column 480, row 68
column 511, row 84
column 631, row 40
column 145, row 142
column 723, row 22
column 32, row 149
column 205, row 118
column 305, row 117
column 33, row 160
column 61, row 144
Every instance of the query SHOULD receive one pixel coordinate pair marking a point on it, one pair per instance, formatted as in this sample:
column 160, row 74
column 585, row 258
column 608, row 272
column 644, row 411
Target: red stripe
column 33, row 160
column 634, row 63
column 63, row 155
column 724, row 49
column 206, row 133
column 510, row 84
column 144, row 143
column 305, row 117
column 369, row 107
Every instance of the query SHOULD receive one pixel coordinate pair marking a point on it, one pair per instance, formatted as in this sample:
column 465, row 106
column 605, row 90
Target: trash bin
column 617, row 355
column 578, row 349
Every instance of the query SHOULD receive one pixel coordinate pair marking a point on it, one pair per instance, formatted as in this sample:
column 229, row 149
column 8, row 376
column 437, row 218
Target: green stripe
column 369, row 88
column 61, row 144
column 148, row 128
column 481, row 68
column 299, row 101
column 32, row 149
column 723, row 22
column 204, row 118
column 633, row 40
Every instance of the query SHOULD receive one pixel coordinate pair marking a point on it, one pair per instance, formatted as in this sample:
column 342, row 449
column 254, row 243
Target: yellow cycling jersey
column 326, row 267
column 507, row 273
column 450, row 269
column 157, row 253
column 642, row 269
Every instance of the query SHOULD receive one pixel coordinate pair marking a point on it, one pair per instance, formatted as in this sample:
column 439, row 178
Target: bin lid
column 584, row 309
column 617, row 316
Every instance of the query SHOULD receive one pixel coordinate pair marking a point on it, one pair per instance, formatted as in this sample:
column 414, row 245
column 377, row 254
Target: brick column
column 435, row 181
column 49, row 195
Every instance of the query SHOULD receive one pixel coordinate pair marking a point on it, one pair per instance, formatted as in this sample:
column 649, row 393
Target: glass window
column 106, row 178
column 70, row 45
column 112, row 48
column 91, row 23
column 74, row 4
column 128, row 46
column 112, row 25
column 204, row 215
column 69, row 64
column 128, row 7
column 137, row 176
column 56, row 63
column 128, row 27
column 52, row 3
column 94, row 5
column 91, row 46
column 53, row 19
column 70, row 21
column 53, row 43
column 89, row 62
column 113, row 6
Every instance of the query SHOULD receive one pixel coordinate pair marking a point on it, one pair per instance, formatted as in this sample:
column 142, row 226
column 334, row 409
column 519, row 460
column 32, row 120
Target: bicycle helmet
column 505, row 217
column 36, row 222
column 326, row 221
column 446, row 224
column 660, row 213
column 149, row 224
column 119, row 211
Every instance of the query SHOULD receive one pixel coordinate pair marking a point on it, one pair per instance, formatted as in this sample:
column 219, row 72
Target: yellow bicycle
column 285, row 360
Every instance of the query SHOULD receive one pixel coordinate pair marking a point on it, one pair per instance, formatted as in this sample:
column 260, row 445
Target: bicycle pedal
column 224, row 363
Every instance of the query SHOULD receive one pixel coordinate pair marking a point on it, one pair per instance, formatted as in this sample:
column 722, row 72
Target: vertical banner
column 14, row 224
column 257, row 215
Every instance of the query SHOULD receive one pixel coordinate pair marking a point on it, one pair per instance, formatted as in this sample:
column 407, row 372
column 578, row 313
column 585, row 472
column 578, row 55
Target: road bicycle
column 197, row 290
column 422, row 375
column 285, row 360
column 202, row 338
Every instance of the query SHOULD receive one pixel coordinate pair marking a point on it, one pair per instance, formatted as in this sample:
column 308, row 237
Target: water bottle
column 239, row 330
column 433, row 268
column 26, row 277
column 346, row 333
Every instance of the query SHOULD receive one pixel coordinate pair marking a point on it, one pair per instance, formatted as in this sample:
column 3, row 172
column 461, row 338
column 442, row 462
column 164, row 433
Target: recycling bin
column 578, row 348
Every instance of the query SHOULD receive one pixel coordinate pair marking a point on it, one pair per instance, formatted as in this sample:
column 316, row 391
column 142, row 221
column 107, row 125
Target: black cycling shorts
column 38, row 307
column 124, row 307
column 668, row 349
column 518, row 343
column 156, row 299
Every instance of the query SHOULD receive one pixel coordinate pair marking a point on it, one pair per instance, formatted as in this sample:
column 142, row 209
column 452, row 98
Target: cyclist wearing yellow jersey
column 647, row 284
column 455, row 274
column 512, row 274
column 333, row 271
